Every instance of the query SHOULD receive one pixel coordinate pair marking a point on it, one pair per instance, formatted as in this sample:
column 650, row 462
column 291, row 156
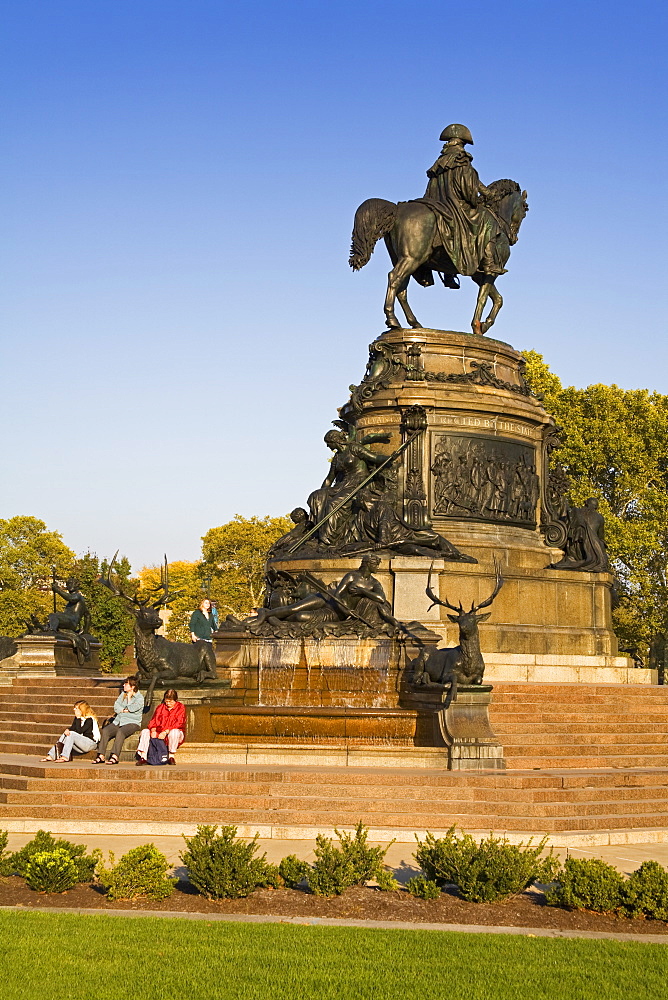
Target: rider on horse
column 468, row 229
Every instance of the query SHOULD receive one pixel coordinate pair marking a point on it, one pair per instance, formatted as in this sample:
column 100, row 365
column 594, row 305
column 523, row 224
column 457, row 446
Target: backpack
column 157, row 751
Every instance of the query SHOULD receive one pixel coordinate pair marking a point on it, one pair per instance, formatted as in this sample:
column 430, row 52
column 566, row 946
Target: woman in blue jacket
column 128, row 708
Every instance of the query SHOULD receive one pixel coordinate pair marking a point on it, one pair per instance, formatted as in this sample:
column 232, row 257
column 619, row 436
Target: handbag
column 157, row 752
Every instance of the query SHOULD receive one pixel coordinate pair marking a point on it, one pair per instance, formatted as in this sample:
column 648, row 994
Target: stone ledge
column 500, row 668
column 576, row 838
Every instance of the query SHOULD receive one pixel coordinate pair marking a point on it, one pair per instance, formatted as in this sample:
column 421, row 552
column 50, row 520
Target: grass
column 68, row 957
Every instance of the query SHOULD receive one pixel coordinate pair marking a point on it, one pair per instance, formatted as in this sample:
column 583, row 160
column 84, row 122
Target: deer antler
column 436, row 600
column 166, row 597
column 107, row 582
column 497, row 588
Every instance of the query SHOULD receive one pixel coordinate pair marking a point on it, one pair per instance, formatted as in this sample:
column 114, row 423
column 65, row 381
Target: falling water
column 277, row 662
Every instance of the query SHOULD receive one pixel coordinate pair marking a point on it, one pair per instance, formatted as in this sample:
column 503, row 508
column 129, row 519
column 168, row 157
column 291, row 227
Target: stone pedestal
column 481, row 418
column 48, row 655
column 462, row 726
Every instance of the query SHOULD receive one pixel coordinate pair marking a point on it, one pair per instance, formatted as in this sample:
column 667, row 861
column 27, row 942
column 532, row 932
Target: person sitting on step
column 82, row 736
column 168, row 724
column 128, row 708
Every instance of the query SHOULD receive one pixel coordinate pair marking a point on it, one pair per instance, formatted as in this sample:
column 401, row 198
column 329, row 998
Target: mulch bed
column 527, row 910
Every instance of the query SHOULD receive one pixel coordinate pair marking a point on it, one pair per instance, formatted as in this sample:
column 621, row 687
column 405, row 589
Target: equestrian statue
column 459, row 227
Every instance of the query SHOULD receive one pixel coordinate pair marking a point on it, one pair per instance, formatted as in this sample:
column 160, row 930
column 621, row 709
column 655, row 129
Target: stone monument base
column 48, row 656
column 339, row 700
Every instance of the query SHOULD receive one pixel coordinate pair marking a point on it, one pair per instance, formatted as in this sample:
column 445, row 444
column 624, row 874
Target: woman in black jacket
column 83, row 735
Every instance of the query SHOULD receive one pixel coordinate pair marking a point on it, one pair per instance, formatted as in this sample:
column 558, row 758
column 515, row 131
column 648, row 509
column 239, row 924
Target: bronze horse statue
column 411, row 233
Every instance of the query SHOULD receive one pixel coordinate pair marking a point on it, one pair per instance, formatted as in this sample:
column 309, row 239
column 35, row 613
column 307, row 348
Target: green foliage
column 142, row 872
column 484, row 872
column 234, row 554
column 28, row 552
column 423, row 888
column 5, row 866
column 332, row 872
column 367, row 861
column 273, row 877
column 16, row 607
column 51, row 871
column 293, row 871
column 223, row 867
column 353, row 863
column 44, row 842
column 111, row 622
column 615, row 448
column 386, row 881
column 646, row 892
column 588, row 884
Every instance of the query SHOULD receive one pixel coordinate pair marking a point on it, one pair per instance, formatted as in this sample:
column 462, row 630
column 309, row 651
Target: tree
column 28, row 553
column 615, row 447
column 111, row 622
column 16, row 607
column 234, row 555
column 185, row 578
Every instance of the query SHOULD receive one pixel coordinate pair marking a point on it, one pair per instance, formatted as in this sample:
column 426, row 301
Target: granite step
column 329, row 818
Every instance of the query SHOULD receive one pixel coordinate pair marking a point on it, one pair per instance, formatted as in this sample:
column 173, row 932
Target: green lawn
column 62, row 957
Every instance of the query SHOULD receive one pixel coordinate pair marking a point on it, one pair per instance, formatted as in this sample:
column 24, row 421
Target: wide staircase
column 581, row 725
column 34, row 712
column 583, row 762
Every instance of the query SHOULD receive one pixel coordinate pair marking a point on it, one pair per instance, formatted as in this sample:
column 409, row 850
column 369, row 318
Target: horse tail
column 373, row 219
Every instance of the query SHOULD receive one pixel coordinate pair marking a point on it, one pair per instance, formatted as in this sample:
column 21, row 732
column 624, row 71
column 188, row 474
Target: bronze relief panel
column 483, row 479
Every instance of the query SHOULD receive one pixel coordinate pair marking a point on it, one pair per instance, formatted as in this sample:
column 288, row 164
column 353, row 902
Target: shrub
column 587, row 884
column 222, row 867
column 353, row 863
column 293, row 871
column 386, row 881
column 332, row 872
column 423, row 888
column 43, row 841
column 51, row 871
column 485, row 872
column 367, row 861
column 140, row 872
column 273, row 877
column 645, row 894
column 5, row 857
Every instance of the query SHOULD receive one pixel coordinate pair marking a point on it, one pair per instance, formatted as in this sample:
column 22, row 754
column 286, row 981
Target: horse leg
column 497, row 302
column 409, row 244
column 402, row 295
column 396, row 279
column 485, row 283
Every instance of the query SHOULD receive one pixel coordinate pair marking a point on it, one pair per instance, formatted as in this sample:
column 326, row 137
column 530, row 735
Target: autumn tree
column 185, row 579
column 615, row 447
column 28, row 554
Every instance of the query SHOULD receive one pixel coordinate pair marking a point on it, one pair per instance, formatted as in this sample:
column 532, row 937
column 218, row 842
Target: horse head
column 510, row 203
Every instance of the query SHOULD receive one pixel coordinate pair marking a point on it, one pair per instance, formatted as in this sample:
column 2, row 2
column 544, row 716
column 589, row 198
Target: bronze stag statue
column 462, row 664
column 461, row 226
column 159, row 659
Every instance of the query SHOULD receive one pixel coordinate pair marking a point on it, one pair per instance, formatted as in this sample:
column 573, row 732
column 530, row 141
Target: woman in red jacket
column 168, row 724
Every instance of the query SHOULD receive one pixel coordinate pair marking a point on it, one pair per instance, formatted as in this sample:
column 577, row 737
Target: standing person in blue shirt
column 214, row 615
column 202, row 622
column 128, row 708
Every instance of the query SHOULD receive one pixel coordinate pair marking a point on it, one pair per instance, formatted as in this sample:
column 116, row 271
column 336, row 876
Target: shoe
column 171, row 761
column 99, row 759
column 140, row 762
column 112, row 760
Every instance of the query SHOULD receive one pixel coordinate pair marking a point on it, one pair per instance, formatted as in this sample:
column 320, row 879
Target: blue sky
column 177, row 185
